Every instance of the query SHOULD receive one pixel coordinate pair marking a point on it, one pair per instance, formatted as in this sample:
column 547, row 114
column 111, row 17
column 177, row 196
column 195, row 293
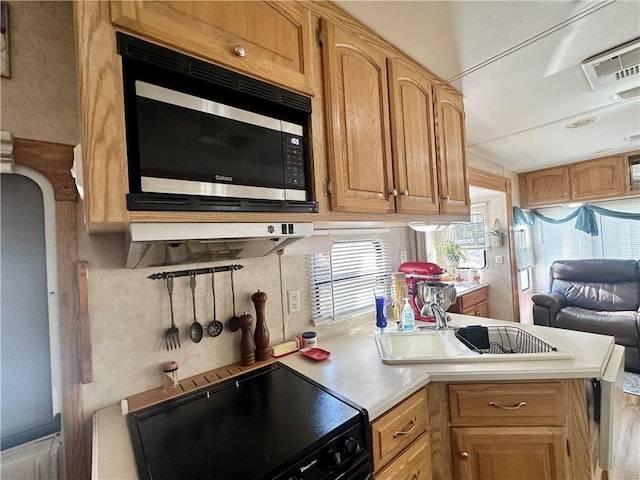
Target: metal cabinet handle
column 394, row 192
column 446, row 198
column 405, row 193
column 521, row 404
column 464, row 455
column 416, row 476
column 239, row 50
column 406, row 432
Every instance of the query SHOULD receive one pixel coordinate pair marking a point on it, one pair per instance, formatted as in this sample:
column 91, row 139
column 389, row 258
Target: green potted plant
column 451, row 252
column 496, row 235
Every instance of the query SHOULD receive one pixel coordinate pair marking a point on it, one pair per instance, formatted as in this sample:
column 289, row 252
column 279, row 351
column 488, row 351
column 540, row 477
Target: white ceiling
column 517, row 64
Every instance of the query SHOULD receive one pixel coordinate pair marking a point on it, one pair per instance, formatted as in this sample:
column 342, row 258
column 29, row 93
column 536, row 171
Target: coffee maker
column 425, row 288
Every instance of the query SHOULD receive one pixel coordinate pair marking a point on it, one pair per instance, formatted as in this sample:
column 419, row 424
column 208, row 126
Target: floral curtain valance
column 585, row 218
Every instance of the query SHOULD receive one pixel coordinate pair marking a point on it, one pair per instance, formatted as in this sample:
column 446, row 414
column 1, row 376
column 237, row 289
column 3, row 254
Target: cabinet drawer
column 539, row 403
column 473, row 298
column 479, row 310
column 397, row 428
column 412, row 464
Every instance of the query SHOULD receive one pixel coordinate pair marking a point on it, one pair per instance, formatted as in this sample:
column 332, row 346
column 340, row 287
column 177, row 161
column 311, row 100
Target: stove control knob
column 350, row 446
column 335, row 459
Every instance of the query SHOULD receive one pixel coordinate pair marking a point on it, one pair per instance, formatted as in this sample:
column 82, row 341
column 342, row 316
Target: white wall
column 39, row 100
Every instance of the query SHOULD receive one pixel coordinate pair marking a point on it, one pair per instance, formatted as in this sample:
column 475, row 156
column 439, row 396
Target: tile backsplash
column 130, row 313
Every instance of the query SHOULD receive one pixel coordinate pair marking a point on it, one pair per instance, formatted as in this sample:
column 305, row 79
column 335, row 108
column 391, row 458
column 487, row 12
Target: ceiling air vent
column 617, row 66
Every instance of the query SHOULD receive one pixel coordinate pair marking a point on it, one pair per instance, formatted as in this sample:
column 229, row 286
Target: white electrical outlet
column 499, row 259
column 403, row 256
column 294, row 300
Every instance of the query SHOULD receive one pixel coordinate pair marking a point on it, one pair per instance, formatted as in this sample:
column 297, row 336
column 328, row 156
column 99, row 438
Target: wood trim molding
column 54, row 161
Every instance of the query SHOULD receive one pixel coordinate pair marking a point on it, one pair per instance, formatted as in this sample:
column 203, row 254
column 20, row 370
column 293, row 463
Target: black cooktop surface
column 245, row 428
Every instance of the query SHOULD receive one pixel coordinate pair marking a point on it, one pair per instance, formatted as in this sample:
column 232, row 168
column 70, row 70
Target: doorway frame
column 491, row 181
column 54, row 161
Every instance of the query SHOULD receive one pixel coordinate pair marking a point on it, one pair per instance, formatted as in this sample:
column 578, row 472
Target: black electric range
column 270, row 423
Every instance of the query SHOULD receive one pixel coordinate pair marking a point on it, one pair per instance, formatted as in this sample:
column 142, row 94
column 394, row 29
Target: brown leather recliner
column 597, row 296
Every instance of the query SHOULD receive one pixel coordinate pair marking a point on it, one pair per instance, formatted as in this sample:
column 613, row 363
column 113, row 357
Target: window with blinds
column 618, row 238
column 471, row 234
column 343, row 279
column 523, row 248
column 472, row 237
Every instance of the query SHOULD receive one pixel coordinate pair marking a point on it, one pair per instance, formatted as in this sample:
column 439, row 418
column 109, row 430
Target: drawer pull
column 239, row 51
column 406, row 432
column 416, row 476
column 521, row 404
column 464, row 455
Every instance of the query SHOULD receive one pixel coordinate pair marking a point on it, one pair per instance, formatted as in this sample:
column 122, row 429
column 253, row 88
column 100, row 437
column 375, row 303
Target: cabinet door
column 412, row 464
column 413, row 142
column 548, row 186
column 452, row 157
column 598, row 178
column 262, row 39
column 505, row 453
column 357, row 112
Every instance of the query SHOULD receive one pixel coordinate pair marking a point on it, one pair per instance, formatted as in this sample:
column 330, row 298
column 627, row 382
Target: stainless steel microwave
column 201, row 137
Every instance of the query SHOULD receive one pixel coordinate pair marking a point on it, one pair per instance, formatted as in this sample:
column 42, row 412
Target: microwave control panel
column 293, row 161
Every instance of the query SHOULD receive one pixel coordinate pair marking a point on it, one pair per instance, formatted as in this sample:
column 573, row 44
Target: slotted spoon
column 215, row 327
column 171, row 337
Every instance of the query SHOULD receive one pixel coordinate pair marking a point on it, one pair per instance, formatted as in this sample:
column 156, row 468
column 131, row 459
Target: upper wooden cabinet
column 597, row 179
column 547, row 186
column 413, row 138
column 261, row 39
column 452, row 156
column 405, row 162
column 396, row 137
column 357, row 113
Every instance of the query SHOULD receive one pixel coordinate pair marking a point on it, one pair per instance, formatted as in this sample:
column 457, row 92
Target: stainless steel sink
column 442, row 346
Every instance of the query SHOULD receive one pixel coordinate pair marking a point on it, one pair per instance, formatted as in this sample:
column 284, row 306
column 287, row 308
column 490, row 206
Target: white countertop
column 462, row 288
column 355, row 370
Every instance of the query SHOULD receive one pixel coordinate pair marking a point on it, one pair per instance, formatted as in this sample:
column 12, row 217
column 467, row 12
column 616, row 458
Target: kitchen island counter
column 355, row 371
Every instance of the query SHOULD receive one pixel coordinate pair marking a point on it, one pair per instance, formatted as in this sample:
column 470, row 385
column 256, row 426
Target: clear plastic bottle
column 408, row 318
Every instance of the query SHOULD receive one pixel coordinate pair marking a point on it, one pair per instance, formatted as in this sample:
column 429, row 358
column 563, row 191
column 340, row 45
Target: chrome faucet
column 434, row 307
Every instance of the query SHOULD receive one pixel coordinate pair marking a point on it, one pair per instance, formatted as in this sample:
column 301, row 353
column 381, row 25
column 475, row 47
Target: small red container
column 316, row 354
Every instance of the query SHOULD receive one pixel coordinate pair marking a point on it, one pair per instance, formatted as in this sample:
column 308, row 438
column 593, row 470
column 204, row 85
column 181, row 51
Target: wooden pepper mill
column 261, row 335
column 247, row 347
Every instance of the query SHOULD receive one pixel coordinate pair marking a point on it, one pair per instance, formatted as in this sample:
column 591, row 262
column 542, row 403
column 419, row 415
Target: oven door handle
column 406, row 432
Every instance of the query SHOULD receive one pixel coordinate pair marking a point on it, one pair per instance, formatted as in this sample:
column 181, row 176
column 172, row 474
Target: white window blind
column 618, row 238
column 472, row 237
column 343, row 279
column 523, row 248
column 471, row 234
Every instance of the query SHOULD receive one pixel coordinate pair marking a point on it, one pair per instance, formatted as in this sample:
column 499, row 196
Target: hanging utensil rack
column 197, row 271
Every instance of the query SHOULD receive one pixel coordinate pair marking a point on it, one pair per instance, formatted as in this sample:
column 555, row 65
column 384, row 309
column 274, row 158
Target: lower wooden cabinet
column 414, row 463
column 475, row 303
column 496, row 453
column 400, row 441
column 521, row 430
